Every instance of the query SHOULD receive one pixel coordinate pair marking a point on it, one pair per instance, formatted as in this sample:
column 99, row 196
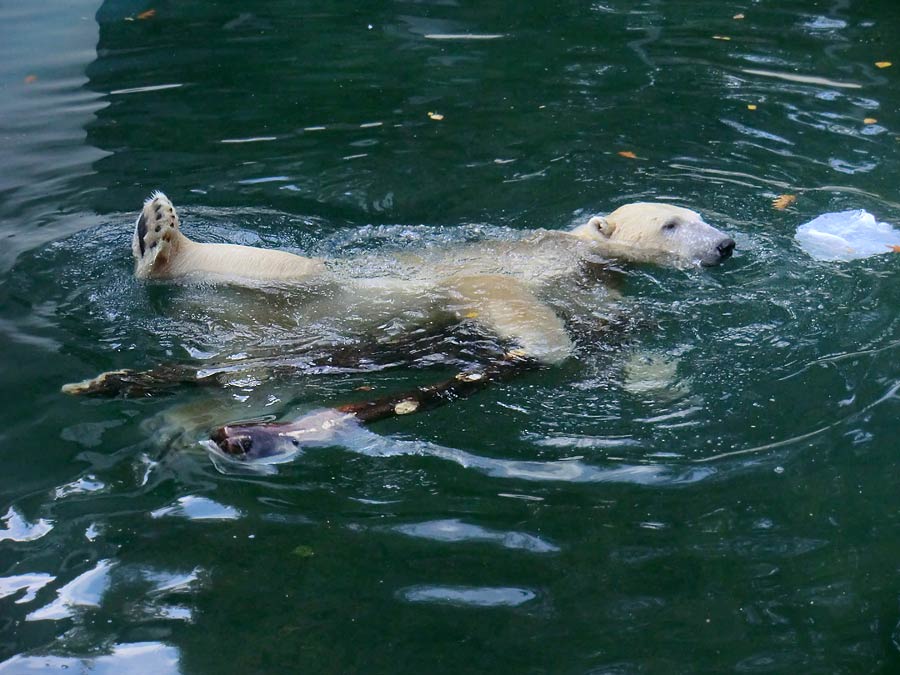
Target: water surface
column 740, row 516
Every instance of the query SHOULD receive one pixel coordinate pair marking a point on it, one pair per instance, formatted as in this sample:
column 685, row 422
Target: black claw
column 141, row 232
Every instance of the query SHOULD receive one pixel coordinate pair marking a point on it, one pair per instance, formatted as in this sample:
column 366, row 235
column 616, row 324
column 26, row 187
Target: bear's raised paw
column 154, row 232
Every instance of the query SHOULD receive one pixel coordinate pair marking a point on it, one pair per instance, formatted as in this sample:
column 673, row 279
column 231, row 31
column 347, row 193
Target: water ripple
column 85, row 590
column 197, row 508
column 32, row 583
column 16, row 528
column 454, row 530
column 468, row 596
column 136, row 658
column 330, row 428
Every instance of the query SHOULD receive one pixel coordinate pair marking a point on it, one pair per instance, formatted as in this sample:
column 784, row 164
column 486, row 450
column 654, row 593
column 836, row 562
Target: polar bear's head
column 657, row 233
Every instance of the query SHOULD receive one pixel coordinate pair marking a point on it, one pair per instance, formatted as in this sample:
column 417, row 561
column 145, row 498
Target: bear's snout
column 725, row 248
column 719, row 250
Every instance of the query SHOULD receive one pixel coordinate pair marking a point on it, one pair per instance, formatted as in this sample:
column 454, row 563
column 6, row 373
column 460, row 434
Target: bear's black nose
column 725, row 248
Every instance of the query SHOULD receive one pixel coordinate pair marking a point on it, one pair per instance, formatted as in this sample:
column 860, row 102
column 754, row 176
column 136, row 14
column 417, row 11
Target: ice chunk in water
column 847, row 235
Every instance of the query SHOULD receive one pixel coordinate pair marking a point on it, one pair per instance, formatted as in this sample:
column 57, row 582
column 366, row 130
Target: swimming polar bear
column 638, row 232
column 497, row 284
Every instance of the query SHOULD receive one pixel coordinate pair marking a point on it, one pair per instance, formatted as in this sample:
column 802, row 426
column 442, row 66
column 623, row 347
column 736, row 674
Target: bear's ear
column 602, row 225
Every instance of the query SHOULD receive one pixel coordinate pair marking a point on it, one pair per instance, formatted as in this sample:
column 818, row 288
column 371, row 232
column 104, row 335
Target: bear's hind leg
column 155, row 237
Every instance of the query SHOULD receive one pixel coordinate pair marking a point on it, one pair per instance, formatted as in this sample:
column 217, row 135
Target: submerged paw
column 108, row 383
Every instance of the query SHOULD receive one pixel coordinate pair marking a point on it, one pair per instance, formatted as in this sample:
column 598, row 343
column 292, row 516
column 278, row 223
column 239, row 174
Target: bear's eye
column 670, row 226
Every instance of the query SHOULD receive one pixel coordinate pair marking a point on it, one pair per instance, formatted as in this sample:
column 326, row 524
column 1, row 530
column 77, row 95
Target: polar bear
column 496, row 283
column 499, row 285
column 639, row 232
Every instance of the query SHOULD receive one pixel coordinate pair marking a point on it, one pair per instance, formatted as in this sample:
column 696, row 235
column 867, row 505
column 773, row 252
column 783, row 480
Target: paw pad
column 153, row 234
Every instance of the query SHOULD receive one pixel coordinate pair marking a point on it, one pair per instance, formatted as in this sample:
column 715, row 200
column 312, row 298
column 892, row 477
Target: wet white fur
column 494, row 283
column 169, row 254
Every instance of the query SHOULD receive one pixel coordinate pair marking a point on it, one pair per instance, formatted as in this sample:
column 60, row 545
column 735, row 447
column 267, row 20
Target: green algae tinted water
column 743, row 516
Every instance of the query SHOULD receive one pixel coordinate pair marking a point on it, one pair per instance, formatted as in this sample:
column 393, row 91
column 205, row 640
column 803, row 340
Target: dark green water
column 746, row 518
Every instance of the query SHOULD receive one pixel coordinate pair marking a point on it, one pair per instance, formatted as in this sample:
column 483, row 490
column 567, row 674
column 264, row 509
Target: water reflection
column 288, row 127
column 802, row 79
column 125, row 659
column 31, row 583
column 171, row 582
column 44, row 110
column 458, row 531
column 81, row 486
column 16, row 528
column 85, row 590
column 469, row 596
column 347, row 433
column 197, row 508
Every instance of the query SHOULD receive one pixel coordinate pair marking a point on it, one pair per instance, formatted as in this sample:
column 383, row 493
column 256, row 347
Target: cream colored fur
column 161, row 251
column 496, row 283
column 656, row 233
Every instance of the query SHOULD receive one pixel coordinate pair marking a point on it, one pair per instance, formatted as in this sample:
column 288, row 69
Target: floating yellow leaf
column 751, row 106
column 471, row 315
column 783, row 201
column 870, row 120
column 436, row 116
column 883, row 64
column 628, row 154
column 738, row 16
column 364, row 387
column 149, row 14
column 721, row 37
column 31, row 79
